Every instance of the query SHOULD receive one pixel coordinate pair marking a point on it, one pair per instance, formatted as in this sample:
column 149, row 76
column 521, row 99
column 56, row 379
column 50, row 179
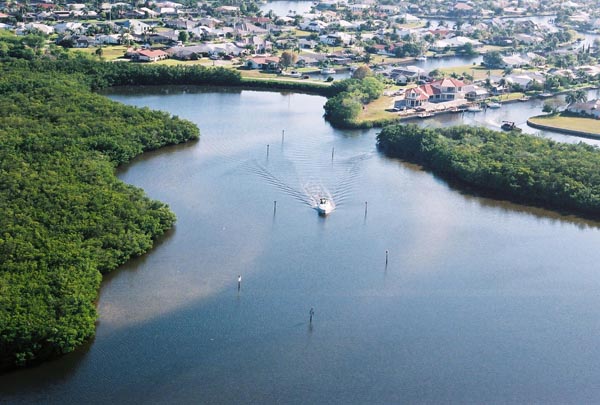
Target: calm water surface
column 285, row 8
column 481, row 301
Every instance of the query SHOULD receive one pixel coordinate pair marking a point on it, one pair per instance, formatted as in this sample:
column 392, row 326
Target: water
column 285, row 8
column 449, row 62
column 515, row 112
column 481, row 301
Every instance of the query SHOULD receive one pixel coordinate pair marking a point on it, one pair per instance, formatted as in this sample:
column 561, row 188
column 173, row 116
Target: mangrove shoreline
column 520, row 167
column 69, row 219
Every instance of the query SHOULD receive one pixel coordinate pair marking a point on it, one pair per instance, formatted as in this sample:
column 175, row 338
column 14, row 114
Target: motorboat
column 425, row 115
column 474, row 108
column 509, row 126
column 327, row 71
column 324, row 206
column 493, row 104
column 524, row 98
column 295, row 73
column 421, row 58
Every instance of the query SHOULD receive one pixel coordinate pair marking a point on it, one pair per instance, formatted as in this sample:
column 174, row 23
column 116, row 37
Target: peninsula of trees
column 523, row 167
column 66, row 218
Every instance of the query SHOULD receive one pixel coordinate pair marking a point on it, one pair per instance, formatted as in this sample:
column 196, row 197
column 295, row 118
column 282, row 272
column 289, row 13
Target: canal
column 481, row 301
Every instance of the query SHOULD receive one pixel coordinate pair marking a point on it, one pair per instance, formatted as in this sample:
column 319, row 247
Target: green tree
column 183, row 36
column 362, row 72
column 288, row 59
column 493, row 59
column 579, row 96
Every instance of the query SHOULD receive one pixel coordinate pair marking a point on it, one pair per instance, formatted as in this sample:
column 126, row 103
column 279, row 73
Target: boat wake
column 307, row 184
column 295, row 169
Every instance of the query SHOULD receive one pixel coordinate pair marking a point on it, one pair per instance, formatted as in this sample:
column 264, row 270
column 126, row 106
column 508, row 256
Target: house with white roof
column 314, row 25
column 136, row 27
column 453, row 43
column 339, row 38
column 31, row 27
column 591, row 108
column 73, row 27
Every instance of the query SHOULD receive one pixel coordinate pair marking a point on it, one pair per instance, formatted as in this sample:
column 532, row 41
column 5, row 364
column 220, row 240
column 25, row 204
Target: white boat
column 421, row 58
column 494, row 105
column 324, row 206
column 327, row 71
column 295, row 73
column 474, row 108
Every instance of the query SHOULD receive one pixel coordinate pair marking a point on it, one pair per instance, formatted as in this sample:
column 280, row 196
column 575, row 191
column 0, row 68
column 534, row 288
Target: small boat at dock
column 425, row 115
column 421, row 58
column 524, row 98
column 494, row 105
column 474, row 108
column 327, row 71
column 293, row 73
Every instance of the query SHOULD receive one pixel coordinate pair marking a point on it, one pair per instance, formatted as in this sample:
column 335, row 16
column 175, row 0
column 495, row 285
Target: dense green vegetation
column 65, row 217
column 295, row 86
column 342, row 109
column 523, row 167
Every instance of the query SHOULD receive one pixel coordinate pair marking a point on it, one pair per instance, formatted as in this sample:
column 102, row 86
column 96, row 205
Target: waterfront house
column 474, row 92
column 439, row 91
column 589, row 108
column 412, row 98
column 405, row 74
column 147, row 55
column 263, row 63
column 454, row 43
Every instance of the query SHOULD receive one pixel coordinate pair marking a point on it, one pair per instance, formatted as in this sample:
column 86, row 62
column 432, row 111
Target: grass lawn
column 376, row 109
column 257, row 74
column 582, row 124
column 302, row 34
column 478, row 72
column 174, row 62
column 108, row 52
column 510, row 96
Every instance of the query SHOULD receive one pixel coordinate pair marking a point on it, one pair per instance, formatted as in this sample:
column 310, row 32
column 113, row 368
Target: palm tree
column 579, row 96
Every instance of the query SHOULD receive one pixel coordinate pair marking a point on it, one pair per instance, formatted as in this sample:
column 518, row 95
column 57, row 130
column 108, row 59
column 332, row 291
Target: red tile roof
column 421, row 94
column 152, row 54
column 449, row 82
column 269, row 59
column 462, row 6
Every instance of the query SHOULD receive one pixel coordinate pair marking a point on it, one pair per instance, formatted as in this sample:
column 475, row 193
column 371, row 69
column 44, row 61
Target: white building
column 591, row 107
